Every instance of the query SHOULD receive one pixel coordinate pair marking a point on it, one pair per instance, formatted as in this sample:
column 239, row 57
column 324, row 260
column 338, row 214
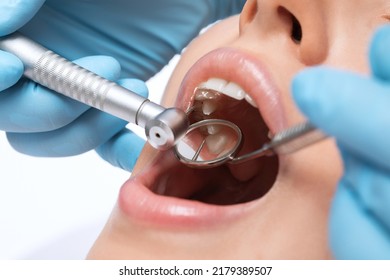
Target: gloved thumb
column 11, row 70
column 15, row 14
column 123, row 149
column 380, row 55
column 345, row 105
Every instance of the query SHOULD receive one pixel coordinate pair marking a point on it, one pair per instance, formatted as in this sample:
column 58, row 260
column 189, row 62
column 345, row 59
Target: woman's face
column 272, row 207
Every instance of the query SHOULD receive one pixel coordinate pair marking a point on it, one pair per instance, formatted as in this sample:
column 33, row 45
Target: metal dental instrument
column 196, row 149
column 163, row 127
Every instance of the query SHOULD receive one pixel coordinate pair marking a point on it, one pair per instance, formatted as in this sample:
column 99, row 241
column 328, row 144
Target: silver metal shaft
column 163, row 127
column 287, row 141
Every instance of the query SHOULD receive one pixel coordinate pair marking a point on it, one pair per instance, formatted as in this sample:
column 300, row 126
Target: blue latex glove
column 141, row 35
column 356, row 111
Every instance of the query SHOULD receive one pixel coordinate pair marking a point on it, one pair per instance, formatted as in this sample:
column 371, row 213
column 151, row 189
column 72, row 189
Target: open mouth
column 167, row 192
column 229, row 184
column 217, row 90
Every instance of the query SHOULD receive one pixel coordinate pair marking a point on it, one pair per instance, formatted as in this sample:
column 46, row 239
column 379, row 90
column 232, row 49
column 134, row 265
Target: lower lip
column 145, row 207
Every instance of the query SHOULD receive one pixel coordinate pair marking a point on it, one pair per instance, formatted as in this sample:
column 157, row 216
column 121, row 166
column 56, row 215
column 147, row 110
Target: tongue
column 245, row 171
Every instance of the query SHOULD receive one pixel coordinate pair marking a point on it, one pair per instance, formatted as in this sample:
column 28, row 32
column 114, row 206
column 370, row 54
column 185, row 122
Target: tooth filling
column 202, row 94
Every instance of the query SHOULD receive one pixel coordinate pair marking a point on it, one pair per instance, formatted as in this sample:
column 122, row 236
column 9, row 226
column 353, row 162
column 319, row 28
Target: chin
column 269, row 208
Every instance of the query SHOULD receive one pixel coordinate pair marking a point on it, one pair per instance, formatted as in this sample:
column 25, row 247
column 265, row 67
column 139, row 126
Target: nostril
column 293, row 24
column 312, row 47
column 296, row 31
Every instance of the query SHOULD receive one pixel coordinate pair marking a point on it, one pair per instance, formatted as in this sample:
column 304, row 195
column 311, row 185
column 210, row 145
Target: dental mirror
column 213, row 142
column 209, row 143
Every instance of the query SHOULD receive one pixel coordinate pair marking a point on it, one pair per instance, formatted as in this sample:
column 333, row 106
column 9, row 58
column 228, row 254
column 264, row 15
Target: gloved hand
column 141, row 35
column 355, row 110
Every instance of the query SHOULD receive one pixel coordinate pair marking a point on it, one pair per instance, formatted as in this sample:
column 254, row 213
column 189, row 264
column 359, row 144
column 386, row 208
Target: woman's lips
column 136, row 198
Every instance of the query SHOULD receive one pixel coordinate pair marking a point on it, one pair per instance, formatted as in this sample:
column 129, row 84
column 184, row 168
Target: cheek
column 315, row 170
column 283, row 70
column 350, row 53
column 350, row 60
column 294, row 116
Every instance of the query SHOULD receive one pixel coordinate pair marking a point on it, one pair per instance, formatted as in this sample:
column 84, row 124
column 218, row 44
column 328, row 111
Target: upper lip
column 241, row 68
column 228, row 64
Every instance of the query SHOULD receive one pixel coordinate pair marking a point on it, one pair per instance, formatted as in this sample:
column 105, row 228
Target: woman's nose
column 301, row 22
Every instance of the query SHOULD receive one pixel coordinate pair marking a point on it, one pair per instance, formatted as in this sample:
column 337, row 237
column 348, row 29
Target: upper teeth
column 207, row 94
column 230, row 89
column 209, row 107
column 250, row 100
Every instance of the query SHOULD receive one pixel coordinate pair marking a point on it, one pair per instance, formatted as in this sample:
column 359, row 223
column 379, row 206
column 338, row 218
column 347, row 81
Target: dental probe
column 287, row 141
column 163, row 127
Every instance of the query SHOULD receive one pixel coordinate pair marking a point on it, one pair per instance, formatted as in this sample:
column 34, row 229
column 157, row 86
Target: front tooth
column 209, row 107
column 216, row 143
column 214, row 84
column 211, row 89
column 234, row 91
column 250, row 100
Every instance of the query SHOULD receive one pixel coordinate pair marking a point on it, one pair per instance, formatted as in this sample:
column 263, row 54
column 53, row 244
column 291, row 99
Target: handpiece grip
column 57, row 73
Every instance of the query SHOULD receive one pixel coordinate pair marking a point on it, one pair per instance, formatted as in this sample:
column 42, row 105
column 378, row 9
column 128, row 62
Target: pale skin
column 290, row 221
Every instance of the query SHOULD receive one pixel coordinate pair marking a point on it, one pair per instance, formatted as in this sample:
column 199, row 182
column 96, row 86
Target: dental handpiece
column 163, row 127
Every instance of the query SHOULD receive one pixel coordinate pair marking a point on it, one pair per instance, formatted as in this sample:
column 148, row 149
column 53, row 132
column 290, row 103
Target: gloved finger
column 11, row 70
column 122, row 150
column 14, row 14
column 351, row 108
column 380, row 55
column 90, row 130
column 27, row 107
column 371, row 185
column 80, row 136
column 354, row 232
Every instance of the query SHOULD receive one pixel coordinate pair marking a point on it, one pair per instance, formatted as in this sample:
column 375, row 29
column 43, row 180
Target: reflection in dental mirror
column 213, row 142
column 209, row 143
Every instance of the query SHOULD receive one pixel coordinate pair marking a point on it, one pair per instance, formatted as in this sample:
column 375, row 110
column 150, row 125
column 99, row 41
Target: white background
column 204, row 269
column 54, row 208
